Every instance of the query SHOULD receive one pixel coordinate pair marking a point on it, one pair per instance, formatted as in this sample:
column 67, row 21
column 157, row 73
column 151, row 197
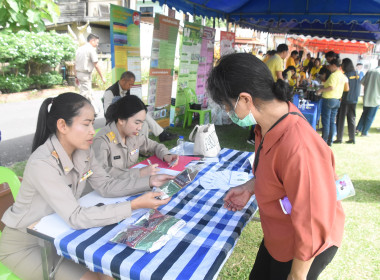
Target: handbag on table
column 206, row 142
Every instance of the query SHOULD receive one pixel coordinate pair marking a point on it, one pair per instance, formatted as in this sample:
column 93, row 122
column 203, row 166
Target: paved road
column 17, row 125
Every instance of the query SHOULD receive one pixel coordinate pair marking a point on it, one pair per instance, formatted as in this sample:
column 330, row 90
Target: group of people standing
column 340, row 92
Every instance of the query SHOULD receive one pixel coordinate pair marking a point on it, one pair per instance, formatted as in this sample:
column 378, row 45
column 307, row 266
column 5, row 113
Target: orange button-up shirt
column 296, row 162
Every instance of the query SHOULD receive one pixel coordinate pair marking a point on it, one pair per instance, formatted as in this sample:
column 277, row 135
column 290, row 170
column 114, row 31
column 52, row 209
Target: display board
column 206, row 60
column 188, row 67
column 227, row 42
column 125, row 44
column 161, row 72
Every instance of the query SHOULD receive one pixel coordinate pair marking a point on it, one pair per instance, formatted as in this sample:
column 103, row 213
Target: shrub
column 12, row 83
column 46, row 80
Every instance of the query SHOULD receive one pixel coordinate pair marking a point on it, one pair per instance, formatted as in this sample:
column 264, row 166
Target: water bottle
column 180, row 144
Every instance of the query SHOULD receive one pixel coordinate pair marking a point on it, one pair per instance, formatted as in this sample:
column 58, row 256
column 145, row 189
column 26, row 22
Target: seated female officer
column 54, row 179
column 291, row 160
column 118, row 145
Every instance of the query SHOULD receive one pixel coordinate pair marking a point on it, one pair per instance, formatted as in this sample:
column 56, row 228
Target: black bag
column 195, row 106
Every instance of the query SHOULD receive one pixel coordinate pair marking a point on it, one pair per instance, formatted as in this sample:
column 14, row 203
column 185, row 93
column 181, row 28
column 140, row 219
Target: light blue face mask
column 247, row 121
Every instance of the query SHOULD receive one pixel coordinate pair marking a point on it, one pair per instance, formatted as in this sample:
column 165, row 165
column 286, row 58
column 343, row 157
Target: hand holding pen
column 171, row 160
column 149, row 170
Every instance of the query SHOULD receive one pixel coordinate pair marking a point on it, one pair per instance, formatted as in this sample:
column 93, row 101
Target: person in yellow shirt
column 276, row 63
column 315, row 70
column 290, row 76
column 268, row 55
column 291, row 59
column 307, row 60
column 331, row 94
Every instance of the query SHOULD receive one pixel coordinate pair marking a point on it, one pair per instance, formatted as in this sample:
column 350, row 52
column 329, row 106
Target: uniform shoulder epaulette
column 55, row 154
column 111, row 137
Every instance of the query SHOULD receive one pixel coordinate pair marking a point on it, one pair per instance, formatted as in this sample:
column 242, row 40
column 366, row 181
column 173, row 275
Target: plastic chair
column 96, row 131
column 5, row 272
column 190, row 96
column 8, row 176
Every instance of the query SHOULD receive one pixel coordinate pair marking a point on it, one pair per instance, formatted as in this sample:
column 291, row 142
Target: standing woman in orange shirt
column 291, row 160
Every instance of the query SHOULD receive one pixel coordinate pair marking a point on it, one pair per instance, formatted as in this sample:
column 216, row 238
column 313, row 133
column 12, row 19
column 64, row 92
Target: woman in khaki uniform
column 118, row 145
column 54, row 179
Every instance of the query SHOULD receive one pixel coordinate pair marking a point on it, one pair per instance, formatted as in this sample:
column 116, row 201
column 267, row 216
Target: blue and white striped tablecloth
column 198, row 251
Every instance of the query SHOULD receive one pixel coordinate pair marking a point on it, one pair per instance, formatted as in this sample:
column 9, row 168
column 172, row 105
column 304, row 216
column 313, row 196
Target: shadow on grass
column 366, row 191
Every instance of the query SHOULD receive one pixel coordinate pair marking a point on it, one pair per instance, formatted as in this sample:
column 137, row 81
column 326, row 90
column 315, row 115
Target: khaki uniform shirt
column 54, row 183
column 85, row 58
column 116, row 157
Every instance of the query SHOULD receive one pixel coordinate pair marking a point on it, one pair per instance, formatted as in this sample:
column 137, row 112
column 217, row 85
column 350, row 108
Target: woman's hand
column 149, row 170
column 148, row 200
column 238, row 197
column 171, row 158
column 159, row 180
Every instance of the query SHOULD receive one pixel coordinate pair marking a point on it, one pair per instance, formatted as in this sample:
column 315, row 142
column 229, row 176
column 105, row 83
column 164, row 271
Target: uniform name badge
column 86, row 175
column 134, row 152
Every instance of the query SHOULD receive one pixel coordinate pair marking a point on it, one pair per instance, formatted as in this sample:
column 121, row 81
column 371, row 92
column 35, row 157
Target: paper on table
column 162, row 170
column 53, row 225
column 238, row 178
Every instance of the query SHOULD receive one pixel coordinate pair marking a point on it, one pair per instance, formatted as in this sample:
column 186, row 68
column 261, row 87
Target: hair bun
column 282, row 90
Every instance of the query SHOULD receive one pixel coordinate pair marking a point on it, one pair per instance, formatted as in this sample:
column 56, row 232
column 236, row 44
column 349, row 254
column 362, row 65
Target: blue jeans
column 329, row 110
column 366, row 119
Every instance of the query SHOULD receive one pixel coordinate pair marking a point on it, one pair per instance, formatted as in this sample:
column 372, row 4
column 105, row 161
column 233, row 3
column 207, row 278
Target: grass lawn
column 359, row 256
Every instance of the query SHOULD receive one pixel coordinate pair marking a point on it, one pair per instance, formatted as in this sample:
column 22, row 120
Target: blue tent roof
column 359, row 20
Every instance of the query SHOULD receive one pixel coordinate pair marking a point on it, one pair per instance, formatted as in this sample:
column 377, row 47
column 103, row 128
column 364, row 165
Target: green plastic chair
column 96, row 131
column 192, row 97
column 8, row 176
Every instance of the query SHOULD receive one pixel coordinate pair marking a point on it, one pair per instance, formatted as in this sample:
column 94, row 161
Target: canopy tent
column 338, row 46
column 359, row 20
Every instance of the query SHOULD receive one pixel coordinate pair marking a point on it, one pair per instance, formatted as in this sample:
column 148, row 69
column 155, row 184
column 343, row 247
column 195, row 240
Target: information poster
column 227, row 42
column 161, row 72
column 188, row 66
column 206, row 60
column 125, row 44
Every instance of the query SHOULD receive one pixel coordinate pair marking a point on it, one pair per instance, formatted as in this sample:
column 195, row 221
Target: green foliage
column 12, row 83
column 25, row 54
column 16, row 15
column 46, row 80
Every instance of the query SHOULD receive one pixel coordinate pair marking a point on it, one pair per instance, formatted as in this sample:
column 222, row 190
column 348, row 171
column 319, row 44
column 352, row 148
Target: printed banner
column 188, row 67
column 206, row 60
column 165, row 34
column 227, row 42
column 125, row 44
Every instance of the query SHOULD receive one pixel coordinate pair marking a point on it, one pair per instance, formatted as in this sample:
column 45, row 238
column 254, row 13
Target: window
column 146, row 11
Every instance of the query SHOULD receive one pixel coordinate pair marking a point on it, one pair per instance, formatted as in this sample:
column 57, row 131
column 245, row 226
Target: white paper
column 53, row 225
column 161, row 171
column 238, row 178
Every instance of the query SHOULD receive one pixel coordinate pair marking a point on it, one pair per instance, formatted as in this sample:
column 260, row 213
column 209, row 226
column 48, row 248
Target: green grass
column 358, row 257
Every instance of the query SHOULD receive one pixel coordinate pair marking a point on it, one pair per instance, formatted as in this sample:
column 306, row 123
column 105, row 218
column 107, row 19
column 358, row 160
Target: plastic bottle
column 180, row 144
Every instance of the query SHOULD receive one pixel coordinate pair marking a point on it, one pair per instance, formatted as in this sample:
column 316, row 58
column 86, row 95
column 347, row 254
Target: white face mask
column 247, row 121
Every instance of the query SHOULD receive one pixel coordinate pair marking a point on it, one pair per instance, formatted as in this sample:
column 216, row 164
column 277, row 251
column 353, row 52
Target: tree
column 16, row 15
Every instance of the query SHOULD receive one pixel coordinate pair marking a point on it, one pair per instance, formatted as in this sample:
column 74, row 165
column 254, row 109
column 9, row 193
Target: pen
column 149, row 162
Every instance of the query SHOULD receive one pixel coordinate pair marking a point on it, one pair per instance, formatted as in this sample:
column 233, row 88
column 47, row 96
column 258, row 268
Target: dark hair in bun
column 124, row 108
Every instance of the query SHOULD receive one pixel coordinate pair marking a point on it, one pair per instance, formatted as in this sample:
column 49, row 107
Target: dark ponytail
column 282, row 90
column 124, row 108
column 65, row 106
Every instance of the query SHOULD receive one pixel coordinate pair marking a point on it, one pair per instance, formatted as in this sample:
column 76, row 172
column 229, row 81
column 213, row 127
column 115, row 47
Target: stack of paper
column 223, row 180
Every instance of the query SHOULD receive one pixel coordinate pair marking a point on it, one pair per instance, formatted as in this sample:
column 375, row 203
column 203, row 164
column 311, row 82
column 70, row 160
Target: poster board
column 227, row 43
column 125, row 44
column 188, row 66
column 161, row 72
column 206, row 60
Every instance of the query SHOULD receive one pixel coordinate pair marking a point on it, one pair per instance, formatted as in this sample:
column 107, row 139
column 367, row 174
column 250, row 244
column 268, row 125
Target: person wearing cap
column 118, row 145
column 122, row 88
